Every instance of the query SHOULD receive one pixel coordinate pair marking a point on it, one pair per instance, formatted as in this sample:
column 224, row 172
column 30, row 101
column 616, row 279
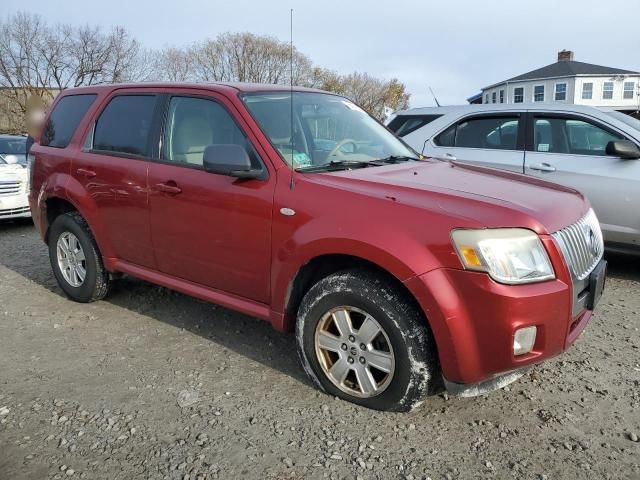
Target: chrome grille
column 582, row 245
column 14, row 211
column 9, row 188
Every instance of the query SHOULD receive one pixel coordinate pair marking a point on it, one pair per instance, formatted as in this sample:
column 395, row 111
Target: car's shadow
column 247, row 336
column 252, row 338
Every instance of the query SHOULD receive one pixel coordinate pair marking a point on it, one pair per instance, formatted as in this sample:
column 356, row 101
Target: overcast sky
column 456, row 47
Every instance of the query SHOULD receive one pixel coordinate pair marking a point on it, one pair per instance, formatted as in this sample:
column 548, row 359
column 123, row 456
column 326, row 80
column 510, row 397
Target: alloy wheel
column 354, row 352
column 71, row 259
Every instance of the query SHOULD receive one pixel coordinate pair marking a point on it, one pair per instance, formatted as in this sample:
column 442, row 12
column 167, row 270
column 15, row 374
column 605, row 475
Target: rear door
column 210, row 229
column 571, row 150
column 492, row 140
column 112, row 167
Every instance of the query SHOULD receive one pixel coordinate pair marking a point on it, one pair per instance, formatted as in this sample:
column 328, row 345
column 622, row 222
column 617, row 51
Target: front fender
column 400, row 255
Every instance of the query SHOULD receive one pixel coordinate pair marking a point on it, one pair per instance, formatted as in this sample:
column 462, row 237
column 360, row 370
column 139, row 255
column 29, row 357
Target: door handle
column 542, row 167
column 169, row 187
column 86, row 173
column 450, row 156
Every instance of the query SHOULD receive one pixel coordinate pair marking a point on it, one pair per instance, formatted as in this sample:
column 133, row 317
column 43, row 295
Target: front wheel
column 76, row 260
column 359, row 338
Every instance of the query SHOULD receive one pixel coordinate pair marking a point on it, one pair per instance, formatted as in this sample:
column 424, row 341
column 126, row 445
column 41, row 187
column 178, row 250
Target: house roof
column 567, row 68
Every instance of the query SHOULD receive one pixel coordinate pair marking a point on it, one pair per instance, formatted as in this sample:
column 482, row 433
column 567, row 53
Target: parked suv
column 14, row 178
column 298, row 208
column 594, row 150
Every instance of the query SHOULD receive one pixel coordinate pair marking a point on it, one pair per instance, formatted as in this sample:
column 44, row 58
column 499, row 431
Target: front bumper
column 474, row 320
column 14, row 206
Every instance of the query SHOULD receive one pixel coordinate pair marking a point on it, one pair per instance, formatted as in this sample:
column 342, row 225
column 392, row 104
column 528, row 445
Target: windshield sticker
column 301, row 159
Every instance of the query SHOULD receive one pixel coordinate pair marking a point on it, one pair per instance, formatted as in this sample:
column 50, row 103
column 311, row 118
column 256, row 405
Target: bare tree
column 175, row 65
column 39, row 59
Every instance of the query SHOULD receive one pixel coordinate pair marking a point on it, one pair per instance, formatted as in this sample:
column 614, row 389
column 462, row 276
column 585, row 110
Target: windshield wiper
column 335, row 165
column 394, row 159
column 347, row 164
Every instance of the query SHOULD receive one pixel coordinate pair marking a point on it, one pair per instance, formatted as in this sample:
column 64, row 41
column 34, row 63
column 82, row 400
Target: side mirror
column 230, row 160
column 623, row 149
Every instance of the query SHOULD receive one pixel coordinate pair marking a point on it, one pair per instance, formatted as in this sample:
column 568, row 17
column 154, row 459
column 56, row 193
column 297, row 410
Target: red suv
column 296, row 207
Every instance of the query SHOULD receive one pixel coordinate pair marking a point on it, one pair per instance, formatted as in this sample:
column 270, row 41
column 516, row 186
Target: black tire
column 416, row 373
column 96, row 283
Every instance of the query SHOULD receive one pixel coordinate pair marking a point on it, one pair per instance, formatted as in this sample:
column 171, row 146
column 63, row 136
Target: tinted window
column 446, row 138
column 195, row 123
column 125, row 124
column 498, row 133
column 405, row 124
column 577, row 137
column 64, row 120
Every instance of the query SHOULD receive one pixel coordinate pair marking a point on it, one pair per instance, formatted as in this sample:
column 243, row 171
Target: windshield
column 13, row 150
column 629, row 120
column 327, row 130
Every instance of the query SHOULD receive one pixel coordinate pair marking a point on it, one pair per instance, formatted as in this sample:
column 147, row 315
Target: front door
column 571, row 151
column 210, row 229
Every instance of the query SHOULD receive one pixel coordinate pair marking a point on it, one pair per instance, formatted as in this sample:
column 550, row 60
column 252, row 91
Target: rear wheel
column 359, row 338
column 76, row 260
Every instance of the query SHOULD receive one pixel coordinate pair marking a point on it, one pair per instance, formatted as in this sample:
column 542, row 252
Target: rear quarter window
column 64, row 120
column 124, row 126
column 405, row 124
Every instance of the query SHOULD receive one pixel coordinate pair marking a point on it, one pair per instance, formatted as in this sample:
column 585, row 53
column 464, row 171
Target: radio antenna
column 434, row 96
column 291, row 139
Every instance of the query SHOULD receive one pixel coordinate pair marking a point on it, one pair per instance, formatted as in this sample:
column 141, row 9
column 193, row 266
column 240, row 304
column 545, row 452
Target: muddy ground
column 93, row 391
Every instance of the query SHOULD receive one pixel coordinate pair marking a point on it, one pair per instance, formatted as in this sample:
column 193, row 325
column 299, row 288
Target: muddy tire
column 361, row 339
column 76, row 260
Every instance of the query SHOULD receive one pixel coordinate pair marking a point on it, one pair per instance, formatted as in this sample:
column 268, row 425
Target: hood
column 12, row 172
column 488, row 197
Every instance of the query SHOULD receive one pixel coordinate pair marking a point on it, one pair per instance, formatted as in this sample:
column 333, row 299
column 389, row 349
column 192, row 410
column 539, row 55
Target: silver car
column 593, row 150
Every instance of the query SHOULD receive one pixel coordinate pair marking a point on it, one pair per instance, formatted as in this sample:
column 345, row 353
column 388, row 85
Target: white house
column 568, row 81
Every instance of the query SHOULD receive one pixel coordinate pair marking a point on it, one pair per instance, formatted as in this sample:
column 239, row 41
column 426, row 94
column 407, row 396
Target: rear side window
column 64, row 120
column 496, row 133
column 405, row 124
column 125, row 125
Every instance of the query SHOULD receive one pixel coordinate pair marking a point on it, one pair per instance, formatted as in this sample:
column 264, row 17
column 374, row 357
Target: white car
column 14, row 178
column 595, row 151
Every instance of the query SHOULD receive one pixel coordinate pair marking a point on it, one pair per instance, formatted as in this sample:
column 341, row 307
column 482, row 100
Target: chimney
column 565, row 56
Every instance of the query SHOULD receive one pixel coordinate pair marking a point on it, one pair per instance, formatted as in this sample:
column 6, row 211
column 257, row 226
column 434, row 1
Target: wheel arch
column 323, row 265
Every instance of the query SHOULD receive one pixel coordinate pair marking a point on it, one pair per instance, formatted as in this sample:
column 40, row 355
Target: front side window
column 124, row 126
column 629, row 90
column 518, row 95
column 195, row 123
column 538, row 93
column 64, row 120
column 607, row 90
column 312, row 130
column 497, row 133
column 501, row 96
column 570, row 136
column 561, row 92
column 587, row 91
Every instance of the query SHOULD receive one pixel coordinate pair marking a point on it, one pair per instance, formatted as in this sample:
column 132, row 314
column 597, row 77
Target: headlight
column 508, row 255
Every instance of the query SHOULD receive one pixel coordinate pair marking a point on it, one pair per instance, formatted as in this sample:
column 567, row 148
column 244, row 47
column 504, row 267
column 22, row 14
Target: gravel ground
column 153, row 384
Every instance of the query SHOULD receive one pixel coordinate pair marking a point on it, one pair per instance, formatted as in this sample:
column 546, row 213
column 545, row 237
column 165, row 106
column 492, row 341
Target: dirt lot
column 93, row 391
